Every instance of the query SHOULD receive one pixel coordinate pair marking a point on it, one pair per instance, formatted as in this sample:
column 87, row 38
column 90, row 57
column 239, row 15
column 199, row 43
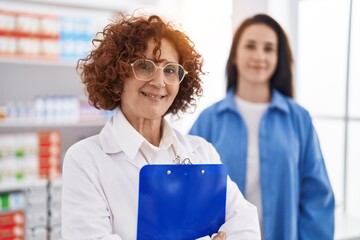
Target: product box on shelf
column 49, row 154
column 24, row 211
column 25, row 34
column 12, row 225
column 29, row 156
column 36, row 35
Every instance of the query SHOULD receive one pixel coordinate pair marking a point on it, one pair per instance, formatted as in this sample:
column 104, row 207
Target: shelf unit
column 22, row 80
column 18, row 186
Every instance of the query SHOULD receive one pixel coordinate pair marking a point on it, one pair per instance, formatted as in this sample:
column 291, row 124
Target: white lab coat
column 101, row 181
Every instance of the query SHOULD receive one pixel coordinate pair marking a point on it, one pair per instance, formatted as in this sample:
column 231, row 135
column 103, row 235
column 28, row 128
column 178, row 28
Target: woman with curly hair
column 144, row 68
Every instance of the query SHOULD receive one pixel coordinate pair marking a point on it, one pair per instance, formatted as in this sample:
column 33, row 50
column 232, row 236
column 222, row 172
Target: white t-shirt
column 252, row 114
column 101, row 182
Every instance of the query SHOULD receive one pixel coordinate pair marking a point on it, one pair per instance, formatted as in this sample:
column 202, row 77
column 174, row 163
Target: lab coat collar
column 107, row 138
column 118, row 135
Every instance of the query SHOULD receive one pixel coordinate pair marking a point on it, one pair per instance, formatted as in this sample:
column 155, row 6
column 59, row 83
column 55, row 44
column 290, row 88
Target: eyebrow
column 266, row 43
column 163, row 61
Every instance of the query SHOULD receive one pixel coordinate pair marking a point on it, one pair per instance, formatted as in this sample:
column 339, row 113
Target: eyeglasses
column 144, row 70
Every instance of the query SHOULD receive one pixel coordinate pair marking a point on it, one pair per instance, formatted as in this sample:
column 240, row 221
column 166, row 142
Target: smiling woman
column 268, row 141
column 121, row 46
column 145, row 69
column 145, row 102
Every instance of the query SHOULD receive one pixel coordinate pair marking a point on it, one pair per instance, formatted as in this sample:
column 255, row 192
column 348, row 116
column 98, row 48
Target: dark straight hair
column 282, row 79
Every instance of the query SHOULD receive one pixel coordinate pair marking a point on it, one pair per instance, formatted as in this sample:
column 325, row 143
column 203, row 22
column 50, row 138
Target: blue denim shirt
column 297, row 199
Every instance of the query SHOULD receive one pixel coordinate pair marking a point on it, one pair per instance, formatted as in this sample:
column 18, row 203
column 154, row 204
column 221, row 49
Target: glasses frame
column 158, row 68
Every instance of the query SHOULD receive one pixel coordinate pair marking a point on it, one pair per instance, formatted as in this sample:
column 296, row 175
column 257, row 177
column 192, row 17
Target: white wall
column 283, row 11
column 244, row 8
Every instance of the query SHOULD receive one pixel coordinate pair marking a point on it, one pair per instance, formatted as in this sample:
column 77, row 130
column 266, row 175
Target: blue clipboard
column 181, row 201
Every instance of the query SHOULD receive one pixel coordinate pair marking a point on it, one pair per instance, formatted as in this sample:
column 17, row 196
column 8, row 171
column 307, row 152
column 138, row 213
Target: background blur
column 43, row 109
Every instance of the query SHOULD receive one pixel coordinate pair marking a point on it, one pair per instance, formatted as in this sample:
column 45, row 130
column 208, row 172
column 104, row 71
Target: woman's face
column 256, row 55
column 150, row 100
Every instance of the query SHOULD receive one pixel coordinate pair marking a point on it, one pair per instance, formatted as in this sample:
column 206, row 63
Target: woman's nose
column 158, row 79
column 259, row 54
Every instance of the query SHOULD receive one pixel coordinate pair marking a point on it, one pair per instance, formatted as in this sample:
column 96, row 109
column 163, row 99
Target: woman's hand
column 220, row 236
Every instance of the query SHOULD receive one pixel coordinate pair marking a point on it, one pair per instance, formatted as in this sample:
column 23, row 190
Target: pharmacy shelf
column 106, row 5
column 31, row 124
column 38, row 61
column 3, row 211
column 21, row 185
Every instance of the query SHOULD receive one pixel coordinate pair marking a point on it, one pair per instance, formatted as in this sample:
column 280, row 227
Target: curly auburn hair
column 122, row 42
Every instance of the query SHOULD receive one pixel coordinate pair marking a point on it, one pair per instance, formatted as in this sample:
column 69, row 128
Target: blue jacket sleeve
column 316, row 196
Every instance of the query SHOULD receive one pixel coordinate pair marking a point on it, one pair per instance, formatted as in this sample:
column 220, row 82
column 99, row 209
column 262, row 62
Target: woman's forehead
column 166, row 52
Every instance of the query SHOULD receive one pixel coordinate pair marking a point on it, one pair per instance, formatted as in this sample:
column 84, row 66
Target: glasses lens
column 174, row 73
column 144, row 69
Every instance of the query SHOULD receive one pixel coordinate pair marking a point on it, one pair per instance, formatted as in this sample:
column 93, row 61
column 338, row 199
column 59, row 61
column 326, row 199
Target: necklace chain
column 176, row 159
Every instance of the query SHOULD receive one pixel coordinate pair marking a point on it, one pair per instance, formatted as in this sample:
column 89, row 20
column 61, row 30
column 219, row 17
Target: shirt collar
column 126, row 136
column 278, row 101
column 129, row 140
column 168, row 136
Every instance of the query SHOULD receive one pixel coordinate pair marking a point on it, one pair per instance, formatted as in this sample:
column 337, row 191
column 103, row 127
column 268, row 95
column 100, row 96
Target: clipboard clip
column 177, row 158
column 185, row 161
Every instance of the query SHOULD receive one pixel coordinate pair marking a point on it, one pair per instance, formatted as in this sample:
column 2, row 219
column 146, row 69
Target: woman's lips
column 153, row 95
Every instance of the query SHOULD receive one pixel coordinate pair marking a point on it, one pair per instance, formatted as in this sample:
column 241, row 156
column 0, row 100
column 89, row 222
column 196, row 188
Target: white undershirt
column 252, row 114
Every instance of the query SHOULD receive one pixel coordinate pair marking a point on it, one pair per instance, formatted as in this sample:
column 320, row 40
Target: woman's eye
column 146, row 66
column 250, row 46
column 169, row 70
column 269, row 49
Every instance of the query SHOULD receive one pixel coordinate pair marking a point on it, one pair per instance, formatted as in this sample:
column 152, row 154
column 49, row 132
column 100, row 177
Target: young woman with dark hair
column 266, row 140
